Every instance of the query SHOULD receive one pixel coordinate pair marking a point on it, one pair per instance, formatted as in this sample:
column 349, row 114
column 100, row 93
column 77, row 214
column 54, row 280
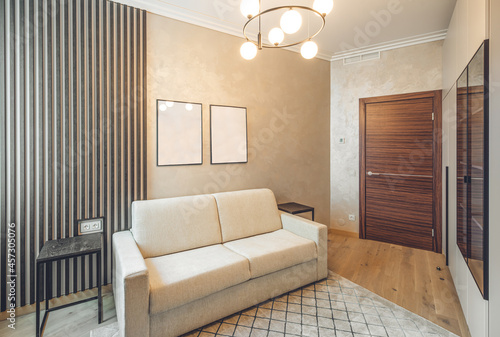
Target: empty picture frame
column 228, row 134
column 179, row 133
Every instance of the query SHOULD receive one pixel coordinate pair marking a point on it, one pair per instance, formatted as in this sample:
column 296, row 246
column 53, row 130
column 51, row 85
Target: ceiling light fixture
column 290, row 23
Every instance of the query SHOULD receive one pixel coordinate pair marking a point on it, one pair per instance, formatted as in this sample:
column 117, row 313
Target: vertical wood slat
column 72, row 130
column 82, row 129
column 124, row 114
column 118, row 114
column 105, row 130
column 67, row 114
column 3, row 176
column 58, row 113
column 75, row 81
column 30, row 112
column 11, row 145
column 90, row 132
column 112, row 138
column 49, row 65
column 144, row 148
column 20, row 154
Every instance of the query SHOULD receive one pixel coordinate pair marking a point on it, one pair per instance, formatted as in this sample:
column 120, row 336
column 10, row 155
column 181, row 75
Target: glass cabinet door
column 462, row 160
column 476, row 128
column 472, row 167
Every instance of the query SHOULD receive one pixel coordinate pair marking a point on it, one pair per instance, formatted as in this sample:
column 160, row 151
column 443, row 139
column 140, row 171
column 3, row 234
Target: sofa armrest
column 313, row 231
column 130, row 286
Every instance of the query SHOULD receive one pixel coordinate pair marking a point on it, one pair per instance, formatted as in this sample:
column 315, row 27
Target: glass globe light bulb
column 323, row 6
column 169, row 104
column 189, row 107
column 248, row 50
column 163, row 107
column 249, row 8
column 276, row 36
column 309, row 50
column 291, row 21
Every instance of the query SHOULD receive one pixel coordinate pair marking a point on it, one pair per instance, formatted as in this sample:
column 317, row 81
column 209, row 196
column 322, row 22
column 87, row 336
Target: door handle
column 370, row 173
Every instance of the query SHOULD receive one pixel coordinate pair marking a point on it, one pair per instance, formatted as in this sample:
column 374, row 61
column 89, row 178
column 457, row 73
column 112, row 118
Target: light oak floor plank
column 75, row 321
column 405, row 276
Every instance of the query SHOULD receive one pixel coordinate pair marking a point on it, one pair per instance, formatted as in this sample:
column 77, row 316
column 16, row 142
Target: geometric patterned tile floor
column 334, row 307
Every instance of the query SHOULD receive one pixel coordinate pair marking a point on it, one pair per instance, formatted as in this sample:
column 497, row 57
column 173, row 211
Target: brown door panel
column 399, row 137
column 401, row 206
column 400, row 169
column 398, row 237
column 410, row 191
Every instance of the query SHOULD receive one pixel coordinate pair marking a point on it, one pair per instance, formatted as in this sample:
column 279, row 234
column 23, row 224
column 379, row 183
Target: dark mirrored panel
column 472, row 167
column 476, row 127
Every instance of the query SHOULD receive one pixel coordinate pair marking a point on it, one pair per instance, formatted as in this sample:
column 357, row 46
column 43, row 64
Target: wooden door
column 400, row 169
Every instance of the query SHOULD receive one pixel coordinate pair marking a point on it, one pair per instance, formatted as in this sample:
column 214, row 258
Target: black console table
column 61, row 249
column 295, row 208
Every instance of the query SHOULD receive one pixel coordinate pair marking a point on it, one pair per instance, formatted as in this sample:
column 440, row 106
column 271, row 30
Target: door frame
column 436, row 95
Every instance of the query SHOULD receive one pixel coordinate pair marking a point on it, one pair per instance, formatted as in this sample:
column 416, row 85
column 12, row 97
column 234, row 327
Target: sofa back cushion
column 166, row 226
column 247, row 213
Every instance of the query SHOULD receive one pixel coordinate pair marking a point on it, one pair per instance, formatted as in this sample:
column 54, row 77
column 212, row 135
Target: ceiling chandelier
column 290, row 23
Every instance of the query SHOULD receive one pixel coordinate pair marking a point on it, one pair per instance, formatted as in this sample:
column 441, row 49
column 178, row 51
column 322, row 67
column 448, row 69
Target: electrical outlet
column 88, row 226
column 352, row 217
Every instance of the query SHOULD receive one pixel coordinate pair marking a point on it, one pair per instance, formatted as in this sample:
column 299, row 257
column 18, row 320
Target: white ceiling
column 353, row 27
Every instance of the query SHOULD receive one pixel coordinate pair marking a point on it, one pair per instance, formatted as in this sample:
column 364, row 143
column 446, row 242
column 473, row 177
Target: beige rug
column 332, row 307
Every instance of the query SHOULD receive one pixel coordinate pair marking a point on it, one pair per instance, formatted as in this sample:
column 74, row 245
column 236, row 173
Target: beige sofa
column 189, row 261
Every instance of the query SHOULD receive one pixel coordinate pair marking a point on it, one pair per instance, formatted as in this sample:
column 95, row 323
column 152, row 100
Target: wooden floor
column 75, row 321
column 405, row 276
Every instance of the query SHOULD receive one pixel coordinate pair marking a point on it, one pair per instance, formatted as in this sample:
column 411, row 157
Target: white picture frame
column 179, row 133
column 228, row 135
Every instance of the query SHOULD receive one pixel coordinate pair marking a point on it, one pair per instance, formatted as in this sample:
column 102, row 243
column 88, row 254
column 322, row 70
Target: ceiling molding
column 185, row 15
column 199, row 19
column 211, row 22
column 411, row 41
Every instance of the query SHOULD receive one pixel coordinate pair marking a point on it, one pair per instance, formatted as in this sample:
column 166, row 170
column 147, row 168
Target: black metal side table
column 61, row 249
column 295, row 208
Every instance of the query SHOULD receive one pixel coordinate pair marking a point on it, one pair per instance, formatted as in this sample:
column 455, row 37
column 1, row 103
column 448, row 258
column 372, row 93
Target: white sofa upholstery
column 189, row 261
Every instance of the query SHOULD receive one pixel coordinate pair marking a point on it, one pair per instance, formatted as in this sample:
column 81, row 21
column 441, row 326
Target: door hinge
column 433, row 233
column 433, row 116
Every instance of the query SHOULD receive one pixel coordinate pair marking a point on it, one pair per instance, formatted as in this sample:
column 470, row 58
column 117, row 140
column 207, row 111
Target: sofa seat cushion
column 180, row 278
column 274, row 251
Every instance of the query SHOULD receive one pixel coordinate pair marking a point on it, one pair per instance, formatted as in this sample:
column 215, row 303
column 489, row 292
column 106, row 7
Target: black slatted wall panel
column 72, row 131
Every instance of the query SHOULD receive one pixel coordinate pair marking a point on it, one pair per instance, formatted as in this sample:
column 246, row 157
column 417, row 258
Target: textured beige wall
column 405, row 70
column 288, row 102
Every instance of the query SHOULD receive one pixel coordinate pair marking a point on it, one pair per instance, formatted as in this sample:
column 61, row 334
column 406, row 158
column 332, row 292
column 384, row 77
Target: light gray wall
column 287, row 100
column 405, row 70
